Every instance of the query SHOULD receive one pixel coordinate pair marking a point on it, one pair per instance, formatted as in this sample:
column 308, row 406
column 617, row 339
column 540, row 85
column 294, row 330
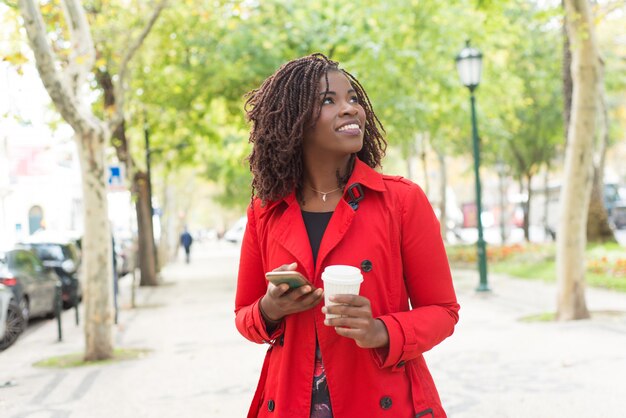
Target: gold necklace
column 324, row 194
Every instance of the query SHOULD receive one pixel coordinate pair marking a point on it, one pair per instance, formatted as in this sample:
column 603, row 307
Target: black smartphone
column 293, row 278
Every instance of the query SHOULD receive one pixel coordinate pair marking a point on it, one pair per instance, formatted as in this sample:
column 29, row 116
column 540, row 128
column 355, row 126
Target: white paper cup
column 340, row 280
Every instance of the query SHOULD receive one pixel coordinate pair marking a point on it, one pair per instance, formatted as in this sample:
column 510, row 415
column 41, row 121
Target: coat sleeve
column 429, row 285
column 251, row 286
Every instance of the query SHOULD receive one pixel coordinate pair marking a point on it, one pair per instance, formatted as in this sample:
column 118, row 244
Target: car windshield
column 51, row 252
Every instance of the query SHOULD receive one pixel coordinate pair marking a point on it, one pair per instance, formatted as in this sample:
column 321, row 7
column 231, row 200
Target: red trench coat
column 394, row 237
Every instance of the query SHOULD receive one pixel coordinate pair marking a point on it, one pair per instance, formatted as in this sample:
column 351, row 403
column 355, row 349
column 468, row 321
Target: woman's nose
column 349, row 109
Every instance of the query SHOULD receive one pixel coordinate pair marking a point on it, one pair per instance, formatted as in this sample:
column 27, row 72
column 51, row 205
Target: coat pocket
column 426, row 401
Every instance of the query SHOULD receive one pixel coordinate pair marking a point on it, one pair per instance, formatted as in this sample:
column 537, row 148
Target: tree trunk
column 598, row 228
column 96, row 250
column 566, row 70
column 443, row 202
column 526, row 207
column 547, row 228
column 91, row 136
column 578, row 174
column 147, row 264
column 120, row 143
column 503, row 205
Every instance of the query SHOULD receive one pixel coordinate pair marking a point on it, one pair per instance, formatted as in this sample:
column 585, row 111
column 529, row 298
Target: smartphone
column 292, row 278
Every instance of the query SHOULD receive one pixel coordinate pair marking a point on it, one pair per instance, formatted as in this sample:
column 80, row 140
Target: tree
column 577, row 176
column 66, row 83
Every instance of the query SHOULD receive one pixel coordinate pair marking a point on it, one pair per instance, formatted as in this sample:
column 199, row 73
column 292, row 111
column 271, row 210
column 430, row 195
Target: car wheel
column 25, row 309
column 15, row 324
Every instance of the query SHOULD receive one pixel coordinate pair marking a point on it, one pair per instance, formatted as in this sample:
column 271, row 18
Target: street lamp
column 469, row 65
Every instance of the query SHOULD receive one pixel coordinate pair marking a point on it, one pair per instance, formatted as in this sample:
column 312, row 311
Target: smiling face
column 338, row 132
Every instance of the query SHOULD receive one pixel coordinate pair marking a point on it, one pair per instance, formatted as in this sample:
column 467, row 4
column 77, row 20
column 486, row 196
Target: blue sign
column 115, row 179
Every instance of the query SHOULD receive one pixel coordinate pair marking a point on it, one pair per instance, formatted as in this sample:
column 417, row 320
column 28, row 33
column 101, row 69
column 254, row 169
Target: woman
column 318, row 201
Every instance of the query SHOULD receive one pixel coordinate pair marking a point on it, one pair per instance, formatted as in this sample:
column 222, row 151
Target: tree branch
column 134, row 46
column 60, row 92
column 83, row 55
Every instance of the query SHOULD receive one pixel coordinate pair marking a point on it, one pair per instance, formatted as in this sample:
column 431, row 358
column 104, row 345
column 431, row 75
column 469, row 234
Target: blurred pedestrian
column 186, row 240
column 318, row 201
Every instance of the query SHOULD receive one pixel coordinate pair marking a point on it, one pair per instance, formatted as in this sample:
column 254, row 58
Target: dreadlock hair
column 286, row 104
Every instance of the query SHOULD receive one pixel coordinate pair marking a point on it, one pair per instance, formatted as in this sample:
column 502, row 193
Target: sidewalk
column 494, row 365
column 199, row 366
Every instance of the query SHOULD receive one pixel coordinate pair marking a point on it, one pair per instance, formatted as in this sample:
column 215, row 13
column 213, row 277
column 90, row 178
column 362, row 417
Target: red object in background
column 469, row 215
column 8, row 281
column 28, row 161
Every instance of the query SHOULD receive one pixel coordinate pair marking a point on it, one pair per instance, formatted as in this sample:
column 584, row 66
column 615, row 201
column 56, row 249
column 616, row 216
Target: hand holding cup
column 351, row 315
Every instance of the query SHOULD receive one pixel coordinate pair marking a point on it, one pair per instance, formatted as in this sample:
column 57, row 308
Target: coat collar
column 362, row 173
column 366, row 176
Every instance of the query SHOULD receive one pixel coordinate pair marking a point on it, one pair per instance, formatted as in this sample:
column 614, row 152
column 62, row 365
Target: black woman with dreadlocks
column 318, row 200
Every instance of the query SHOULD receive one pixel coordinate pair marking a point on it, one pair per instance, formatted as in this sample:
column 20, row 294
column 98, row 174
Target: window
column 51, row 252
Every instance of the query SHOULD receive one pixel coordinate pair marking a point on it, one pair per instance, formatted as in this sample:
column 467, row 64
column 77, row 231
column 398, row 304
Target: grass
column 540, row 317
column 551, row 316
column 606, row 263
column 77, row 359
column 544, row 270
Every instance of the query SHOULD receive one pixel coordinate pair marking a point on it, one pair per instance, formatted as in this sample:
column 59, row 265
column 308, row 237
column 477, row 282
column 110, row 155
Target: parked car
column 618, row 216
column 11, row 321
column 60, row 253
column 235, row 233
column 33, row 284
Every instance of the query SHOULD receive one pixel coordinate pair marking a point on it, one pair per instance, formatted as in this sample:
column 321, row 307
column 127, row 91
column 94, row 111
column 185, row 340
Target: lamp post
column 469, row 65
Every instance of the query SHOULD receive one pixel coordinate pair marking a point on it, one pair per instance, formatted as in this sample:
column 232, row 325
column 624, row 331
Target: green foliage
column 189, row 79
column 522, row 105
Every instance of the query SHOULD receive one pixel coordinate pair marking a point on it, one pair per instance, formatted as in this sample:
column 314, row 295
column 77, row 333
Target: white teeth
column 348, row 127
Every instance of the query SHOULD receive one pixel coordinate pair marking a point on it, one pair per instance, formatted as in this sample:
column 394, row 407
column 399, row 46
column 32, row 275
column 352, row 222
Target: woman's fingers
column 278, row 291
column 295, row 300
column 287, row 267
column 356, row 321
column 349, row 305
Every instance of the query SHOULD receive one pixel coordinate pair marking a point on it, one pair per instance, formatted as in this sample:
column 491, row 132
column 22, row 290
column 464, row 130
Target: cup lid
column 342, row 273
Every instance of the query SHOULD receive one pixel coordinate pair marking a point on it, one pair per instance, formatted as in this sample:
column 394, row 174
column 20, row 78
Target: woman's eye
column 327, row 100
column 354, row 99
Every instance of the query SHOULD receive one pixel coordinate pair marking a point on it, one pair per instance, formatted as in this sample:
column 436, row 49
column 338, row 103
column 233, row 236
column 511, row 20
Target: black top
column 316, row 223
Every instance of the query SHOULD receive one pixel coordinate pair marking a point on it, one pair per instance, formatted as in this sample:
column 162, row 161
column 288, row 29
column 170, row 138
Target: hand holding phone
column 293, row 278
column 278, row 303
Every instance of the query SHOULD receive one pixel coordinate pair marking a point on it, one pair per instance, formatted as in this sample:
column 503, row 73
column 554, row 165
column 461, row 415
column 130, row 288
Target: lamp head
column 469, row 64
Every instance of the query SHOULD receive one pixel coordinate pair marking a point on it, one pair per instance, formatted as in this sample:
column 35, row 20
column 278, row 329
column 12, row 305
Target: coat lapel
column 341, row 220
column 337, row 228
column 292, row 236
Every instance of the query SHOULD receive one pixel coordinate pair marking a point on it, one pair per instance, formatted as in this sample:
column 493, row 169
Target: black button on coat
column 385, row 402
